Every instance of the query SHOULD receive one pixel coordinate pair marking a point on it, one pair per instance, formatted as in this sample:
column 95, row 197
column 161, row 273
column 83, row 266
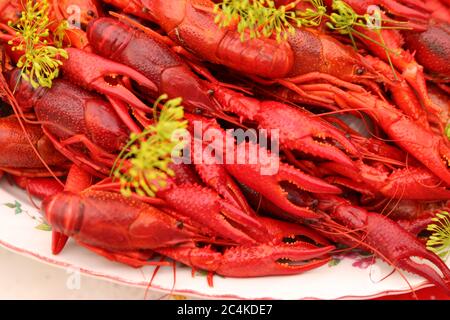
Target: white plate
column 19, row 232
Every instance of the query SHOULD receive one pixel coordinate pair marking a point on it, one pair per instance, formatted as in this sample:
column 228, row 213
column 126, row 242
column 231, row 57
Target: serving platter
column 23, row 231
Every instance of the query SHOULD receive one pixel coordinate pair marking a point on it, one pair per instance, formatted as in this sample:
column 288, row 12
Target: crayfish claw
column 205, row 206
column 282, row 232
column 271, row 186
column 251, row 225
column 95, row 72
column 120, row 92
column 398, row 247
column 428, row 272
column 317, row 146
column 252, row 261
column 314, row 136
column 216, row 177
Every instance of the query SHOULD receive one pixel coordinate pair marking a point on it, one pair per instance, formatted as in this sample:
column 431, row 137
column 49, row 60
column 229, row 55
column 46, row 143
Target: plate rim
column 192, row 293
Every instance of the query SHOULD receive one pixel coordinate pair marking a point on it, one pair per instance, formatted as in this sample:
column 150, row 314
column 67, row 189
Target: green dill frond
column 258, row 18
column 261, row 18
column 59, row 34
column 40, row 62
column 447, row 131
column 312, row 17
column 344, row 20
column 143, row 164
column 439, row 241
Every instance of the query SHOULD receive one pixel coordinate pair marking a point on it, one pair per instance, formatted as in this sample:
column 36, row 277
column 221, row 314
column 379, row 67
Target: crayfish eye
column 198, row 111
column 360, row 71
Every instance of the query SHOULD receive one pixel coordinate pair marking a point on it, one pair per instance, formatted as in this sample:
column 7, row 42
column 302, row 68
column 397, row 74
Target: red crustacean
column 306, row 52
column 155, row 60
column 430, row 148
column 18, row 152
column 141, row 227
column 439, row 9
column 386, row 170
column 309, row 55
column 78, row 14
column 20, row 158
column 321, row 183
column 431, row 47
column 96, row 73
column 355, row 226
column 206, row 207
column 310, row 138
column 412, row 10
column 125, row 46
column 403, row 95
column 29, row 156
column 321, row 58
column 382, row 236
column 10, row 10
column 415, row 183
column 273, row 258
column 403, row 60
column 271, row 186
column 80, row 11
column 73, row 117
column 185, row 21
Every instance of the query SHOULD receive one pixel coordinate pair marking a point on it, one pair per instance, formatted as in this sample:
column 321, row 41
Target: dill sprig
column 439, row 241
column 41, row 61
column 257, row 18
column 344, row 20
column 143, row 164
column 447, row 131
column 263, row 18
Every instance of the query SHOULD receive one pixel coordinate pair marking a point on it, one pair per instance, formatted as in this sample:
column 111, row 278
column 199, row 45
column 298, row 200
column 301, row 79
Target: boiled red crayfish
column 141, row 228
column 138, row 50
column 73, row 118
column 333, row 184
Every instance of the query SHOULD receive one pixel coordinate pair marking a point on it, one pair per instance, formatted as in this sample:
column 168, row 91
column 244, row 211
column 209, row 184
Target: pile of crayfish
column 359, row 116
